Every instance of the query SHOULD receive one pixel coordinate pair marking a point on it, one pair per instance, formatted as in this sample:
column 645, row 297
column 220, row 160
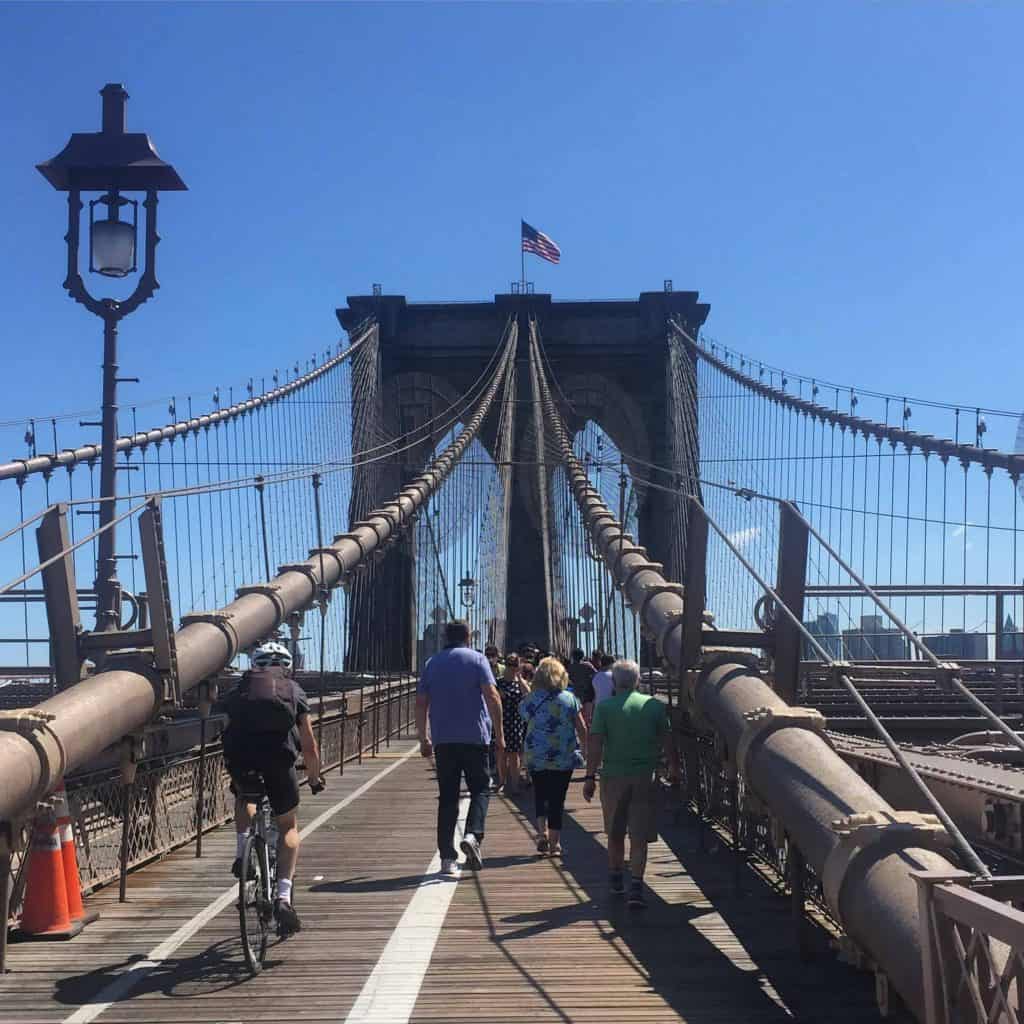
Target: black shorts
column 277, row 774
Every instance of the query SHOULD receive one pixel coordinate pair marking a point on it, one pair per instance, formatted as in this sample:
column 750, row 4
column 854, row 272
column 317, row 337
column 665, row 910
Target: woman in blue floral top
column 554, row 728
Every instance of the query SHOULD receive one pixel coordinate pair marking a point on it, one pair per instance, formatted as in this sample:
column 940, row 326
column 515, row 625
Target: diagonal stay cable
column 946, row 670
column 7, row 587
column 965, row 848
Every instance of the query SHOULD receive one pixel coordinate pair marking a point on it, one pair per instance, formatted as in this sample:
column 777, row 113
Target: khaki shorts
column 629, row 804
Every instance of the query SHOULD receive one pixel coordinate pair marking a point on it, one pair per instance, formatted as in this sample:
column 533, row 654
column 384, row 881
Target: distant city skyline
column 877, row 641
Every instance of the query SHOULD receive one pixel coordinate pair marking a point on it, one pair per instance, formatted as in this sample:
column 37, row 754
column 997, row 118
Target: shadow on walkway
column 218, row 968
column 710, row 955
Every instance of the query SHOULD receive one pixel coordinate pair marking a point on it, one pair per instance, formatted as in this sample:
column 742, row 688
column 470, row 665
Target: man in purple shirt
column 457, row 691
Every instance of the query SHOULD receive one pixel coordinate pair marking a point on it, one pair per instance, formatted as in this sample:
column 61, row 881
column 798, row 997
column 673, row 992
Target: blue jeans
column 453, row 760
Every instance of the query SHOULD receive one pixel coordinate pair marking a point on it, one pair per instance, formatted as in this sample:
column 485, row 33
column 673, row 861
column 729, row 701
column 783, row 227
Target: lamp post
column 110, row 161
column 467, row 595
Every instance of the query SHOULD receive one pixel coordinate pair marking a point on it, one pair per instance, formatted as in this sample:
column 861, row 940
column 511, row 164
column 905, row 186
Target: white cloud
column 741, row 538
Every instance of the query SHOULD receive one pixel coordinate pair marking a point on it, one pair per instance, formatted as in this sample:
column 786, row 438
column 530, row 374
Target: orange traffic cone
column 45, row 913
column 76, row 910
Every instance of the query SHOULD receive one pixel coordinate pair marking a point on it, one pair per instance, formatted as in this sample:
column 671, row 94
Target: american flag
column 539, row 244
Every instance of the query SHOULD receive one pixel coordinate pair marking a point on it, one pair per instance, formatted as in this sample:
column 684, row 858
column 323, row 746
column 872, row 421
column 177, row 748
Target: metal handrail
column 916, row 589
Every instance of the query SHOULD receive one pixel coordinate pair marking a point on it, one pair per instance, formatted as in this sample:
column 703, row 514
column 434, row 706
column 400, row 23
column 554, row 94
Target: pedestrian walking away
column 554, row 725
column 628, row 731
column 581, row 679
column 458, row 695
column 602, row 683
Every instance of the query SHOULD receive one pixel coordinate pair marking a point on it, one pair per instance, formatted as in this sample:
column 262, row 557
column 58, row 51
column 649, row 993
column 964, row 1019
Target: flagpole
column 522, row 260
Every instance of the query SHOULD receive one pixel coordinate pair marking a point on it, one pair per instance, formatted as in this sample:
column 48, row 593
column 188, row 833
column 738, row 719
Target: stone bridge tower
column 615, row 367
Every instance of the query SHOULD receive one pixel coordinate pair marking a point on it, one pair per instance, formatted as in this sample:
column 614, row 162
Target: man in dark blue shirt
column 457, row 691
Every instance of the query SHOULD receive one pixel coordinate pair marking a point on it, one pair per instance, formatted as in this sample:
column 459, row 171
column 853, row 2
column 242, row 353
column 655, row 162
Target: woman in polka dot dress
column 511, row 688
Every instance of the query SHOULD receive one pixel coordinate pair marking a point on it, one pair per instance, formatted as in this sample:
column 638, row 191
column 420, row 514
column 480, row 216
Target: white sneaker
column 471, row 848
column 451, row 868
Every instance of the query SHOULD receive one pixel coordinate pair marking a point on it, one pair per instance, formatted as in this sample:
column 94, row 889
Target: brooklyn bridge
column 825, row 596
column 819, row 584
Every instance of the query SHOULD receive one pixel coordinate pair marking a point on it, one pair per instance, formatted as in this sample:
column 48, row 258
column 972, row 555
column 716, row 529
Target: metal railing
column 121, row 826
column 721, row 799
column 972, row 948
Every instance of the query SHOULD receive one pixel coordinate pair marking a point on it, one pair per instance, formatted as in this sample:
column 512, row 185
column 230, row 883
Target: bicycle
column 257, row 879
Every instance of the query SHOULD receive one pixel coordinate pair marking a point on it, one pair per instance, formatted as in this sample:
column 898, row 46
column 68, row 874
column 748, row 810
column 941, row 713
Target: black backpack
column 266, row 702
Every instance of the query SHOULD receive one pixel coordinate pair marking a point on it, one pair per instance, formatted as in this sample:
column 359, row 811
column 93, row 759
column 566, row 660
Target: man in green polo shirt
column 626, row 736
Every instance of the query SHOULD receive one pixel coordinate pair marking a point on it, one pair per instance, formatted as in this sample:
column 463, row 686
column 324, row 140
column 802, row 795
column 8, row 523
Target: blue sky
column 841, row 181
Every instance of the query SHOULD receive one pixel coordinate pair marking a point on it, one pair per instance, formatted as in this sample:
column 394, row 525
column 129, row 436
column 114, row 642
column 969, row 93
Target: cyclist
column 268, row 723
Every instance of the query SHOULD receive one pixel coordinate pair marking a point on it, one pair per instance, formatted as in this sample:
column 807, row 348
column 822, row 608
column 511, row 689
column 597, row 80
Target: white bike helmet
column 271, row 653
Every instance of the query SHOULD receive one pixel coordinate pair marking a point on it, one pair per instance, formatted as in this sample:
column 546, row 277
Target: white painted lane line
column 391, row 991
column 141, row 969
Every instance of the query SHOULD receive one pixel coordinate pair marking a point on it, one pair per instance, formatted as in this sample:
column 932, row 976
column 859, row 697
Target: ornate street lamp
column 467, row 591
column 110, row 162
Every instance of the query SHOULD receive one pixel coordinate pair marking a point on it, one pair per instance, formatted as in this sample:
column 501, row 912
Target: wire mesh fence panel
column 331, row 744
column 217, row 801
column 97, row 806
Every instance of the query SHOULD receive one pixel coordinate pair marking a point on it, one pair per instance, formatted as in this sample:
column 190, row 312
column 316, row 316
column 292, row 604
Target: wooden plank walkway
column 528, row 939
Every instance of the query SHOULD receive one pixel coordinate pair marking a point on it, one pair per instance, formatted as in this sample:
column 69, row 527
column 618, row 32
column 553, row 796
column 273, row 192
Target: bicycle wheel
column 255, row 910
